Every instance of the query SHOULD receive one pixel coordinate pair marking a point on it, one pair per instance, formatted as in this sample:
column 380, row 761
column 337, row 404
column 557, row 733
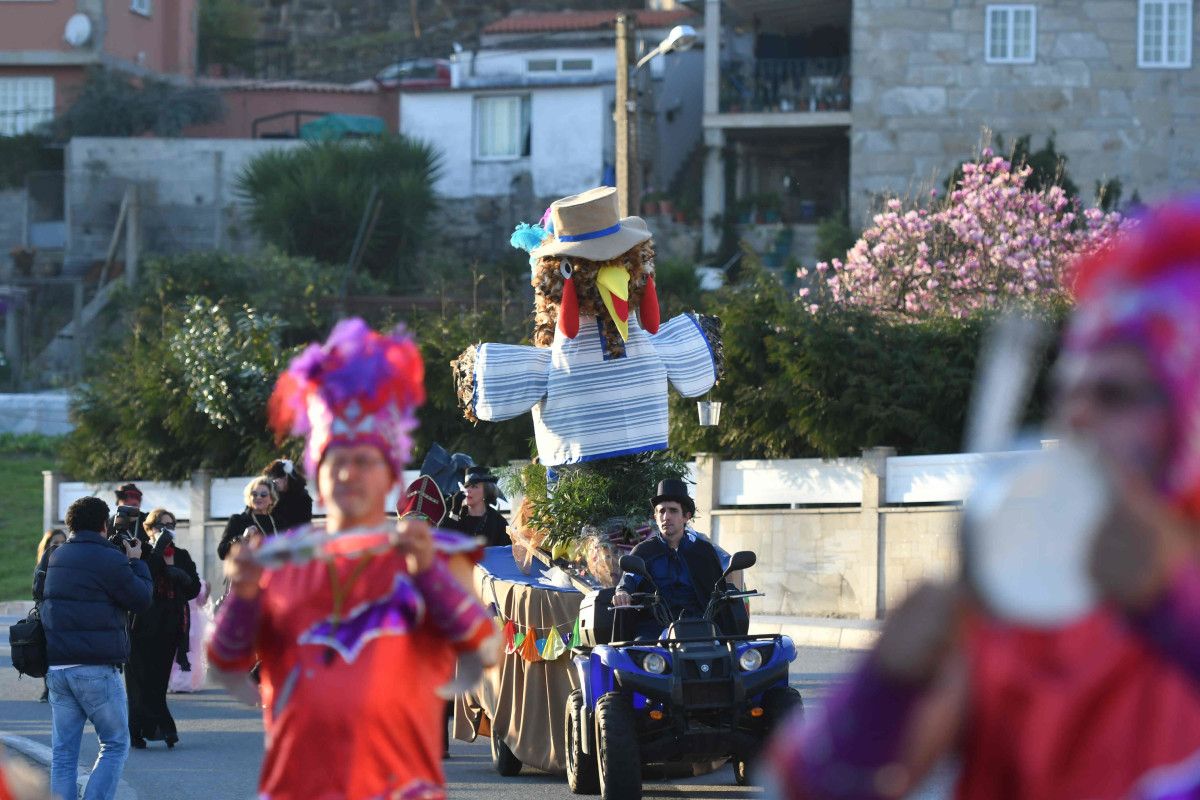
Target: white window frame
column 1009, row 10
column 1147, row 60
column 524, row 123
column 25, row 103
column 142, row 7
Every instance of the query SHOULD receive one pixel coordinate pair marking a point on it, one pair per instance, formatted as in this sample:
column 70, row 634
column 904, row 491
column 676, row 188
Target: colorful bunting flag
column 529, row 650
column 554, row 646
column 575, row 640
column 510, row 632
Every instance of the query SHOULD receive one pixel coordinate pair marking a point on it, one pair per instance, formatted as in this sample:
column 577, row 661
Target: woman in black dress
column 476, row 516
column 260, row 497
column 157, row 632
column 295, row 503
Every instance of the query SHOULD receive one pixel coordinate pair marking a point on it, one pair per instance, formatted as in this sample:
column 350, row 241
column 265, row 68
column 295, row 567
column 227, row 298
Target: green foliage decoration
column 225, row 34
column 310, row 201
column 612, row 494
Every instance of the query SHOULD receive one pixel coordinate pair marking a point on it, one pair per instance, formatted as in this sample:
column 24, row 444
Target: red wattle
column 648, row 314
column 568, row 310
column 620, row 308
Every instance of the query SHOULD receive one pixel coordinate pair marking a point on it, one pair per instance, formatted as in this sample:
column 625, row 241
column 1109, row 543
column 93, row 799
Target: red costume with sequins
column 349, row 708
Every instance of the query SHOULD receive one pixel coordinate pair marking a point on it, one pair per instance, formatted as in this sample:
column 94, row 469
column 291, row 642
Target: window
column 576, row 65
column 1165, row 33
column 541, row 65
column 25, row 103
column 1011, row 34
column 502, row 126
column 140, row 7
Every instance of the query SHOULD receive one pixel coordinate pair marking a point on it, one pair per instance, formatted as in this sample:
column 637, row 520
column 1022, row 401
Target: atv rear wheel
column 620, row 765
column 503, row 759
column 582, row 777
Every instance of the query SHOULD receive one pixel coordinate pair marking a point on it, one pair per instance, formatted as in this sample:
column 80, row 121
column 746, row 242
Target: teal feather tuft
column 527, row 237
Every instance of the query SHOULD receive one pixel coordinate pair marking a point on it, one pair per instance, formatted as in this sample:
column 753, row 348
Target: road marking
column 43, row 754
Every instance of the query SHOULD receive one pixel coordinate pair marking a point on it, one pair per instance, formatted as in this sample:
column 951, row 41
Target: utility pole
column 625, row 108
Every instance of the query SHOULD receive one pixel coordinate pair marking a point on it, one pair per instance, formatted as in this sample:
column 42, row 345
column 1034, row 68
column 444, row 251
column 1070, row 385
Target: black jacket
column 294, row 507
column 174, row 585
column 89, row 589
column 238, row 524
column 491, row 526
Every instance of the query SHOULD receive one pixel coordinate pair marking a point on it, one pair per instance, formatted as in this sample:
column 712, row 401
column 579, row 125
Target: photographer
column 158, row 632
column 129, row 517
column 295, row 504
column 90, row 588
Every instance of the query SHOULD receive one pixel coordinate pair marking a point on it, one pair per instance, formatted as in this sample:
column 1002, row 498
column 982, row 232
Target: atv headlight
column 654, row 663
column 750, row 659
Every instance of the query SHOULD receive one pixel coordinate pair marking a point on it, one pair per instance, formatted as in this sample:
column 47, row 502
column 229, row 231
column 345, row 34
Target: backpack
column 27, row 639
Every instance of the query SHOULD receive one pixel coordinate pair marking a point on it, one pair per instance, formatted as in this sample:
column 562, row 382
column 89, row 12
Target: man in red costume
column 356, row 628
column 1097, row 708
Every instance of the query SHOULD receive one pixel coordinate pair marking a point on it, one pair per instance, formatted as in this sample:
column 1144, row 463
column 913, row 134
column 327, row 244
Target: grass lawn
column 21, row 465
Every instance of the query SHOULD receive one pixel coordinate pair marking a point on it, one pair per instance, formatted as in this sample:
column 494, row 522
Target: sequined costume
column 343, row 721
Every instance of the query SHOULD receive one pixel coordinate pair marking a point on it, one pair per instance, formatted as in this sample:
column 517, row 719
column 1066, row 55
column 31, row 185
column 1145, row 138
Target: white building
column 528, row 117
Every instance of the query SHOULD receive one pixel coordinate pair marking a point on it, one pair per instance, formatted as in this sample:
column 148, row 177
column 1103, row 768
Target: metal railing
column 785, row 85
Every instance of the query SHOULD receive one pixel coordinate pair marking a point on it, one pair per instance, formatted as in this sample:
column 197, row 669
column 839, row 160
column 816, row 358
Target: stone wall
column 922, row 94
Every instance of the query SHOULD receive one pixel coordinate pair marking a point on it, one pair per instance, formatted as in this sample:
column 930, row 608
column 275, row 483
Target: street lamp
column 679, row 39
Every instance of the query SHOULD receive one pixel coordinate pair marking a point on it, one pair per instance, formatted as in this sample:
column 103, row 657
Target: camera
column 127, row 518
column 121, row 538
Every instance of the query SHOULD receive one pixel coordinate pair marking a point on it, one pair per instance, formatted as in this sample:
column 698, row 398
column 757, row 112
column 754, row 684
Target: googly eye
column 565, row 269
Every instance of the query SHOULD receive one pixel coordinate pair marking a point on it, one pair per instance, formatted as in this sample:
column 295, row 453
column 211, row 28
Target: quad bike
column 694, row 695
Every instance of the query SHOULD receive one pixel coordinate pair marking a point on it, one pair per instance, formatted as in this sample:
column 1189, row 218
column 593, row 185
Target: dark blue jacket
column 90, row 587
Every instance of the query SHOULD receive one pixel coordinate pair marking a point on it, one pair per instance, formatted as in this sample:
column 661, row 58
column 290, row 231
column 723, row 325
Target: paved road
column 221, row 745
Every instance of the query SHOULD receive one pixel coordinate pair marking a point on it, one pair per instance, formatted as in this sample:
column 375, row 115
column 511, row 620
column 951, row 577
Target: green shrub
column 23, row 154
column 112, row 104
column 832, row 383
column 310, row 202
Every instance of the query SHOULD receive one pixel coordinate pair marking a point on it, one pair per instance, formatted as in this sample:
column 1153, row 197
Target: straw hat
column 586, row 226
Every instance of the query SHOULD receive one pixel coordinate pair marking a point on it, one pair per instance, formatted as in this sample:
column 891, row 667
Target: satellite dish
column 78, row 30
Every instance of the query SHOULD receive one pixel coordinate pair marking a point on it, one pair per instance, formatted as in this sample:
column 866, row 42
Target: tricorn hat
column 676, row 490
column 587, row 226
column 477, row 475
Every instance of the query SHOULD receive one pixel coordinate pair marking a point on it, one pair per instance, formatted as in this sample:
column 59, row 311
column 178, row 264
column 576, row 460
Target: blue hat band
column 583, row 237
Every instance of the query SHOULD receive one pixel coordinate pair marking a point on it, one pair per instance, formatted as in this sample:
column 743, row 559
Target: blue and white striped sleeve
column 510, row 379
column 686, row 354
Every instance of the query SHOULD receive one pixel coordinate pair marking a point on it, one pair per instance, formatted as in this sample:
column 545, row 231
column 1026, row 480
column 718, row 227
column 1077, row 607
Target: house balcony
column 784, row 93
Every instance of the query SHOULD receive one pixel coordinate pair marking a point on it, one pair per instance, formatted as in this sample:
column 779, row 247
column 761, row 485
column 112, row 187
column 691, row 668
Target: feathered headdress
column 360, row 387
column 1144, row 289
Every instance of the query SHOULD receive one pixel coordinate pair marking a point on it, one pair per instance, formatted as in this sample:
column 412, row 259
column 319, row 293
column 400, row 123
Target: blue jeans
column 78, row 694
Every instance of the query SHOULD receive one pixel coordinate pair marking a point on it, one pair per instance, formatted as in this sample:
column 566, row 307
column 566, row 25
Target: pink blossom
column 989, row 241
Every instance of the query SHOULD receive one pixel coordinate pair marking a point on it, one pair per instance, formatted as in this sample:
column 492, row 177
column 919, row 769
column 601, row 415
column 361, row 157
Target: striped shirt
column 588, row 404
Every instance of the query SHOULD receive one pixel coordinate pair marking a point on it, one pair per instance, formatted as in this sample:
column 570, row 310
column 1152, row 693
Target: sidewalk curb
column 36, row 751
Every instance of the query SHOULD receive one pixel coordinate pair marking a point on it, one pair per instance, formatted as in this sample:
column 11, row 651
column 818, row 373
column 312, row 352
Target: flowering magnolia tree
column 990, row 242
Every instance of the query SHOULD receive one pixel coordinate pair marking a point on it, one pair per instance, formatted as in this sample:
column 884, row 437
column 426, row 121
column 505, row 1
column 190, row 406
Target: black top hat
column 477, row 475
column 673, row 489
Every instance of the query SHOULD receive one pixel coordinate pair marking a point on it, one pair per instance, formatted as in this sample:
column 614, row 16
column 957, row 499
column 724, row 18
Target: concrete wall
column 922, row 92
column 187, row 191
column 566, row 149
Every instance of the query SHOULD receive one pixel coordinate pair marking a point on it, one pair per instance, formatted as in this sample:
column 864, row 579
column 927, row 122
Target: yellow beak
column 613, row 284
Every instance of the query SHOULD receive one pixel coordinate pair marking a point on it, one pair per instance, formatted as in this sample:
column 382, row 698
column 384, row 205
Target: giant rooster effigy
column 596, row 378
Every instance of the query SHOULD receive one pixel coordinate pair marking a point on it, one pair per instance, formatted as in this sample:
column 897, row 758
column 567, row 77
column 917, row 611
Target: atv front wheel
column 582, row 777
column 620, row 765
